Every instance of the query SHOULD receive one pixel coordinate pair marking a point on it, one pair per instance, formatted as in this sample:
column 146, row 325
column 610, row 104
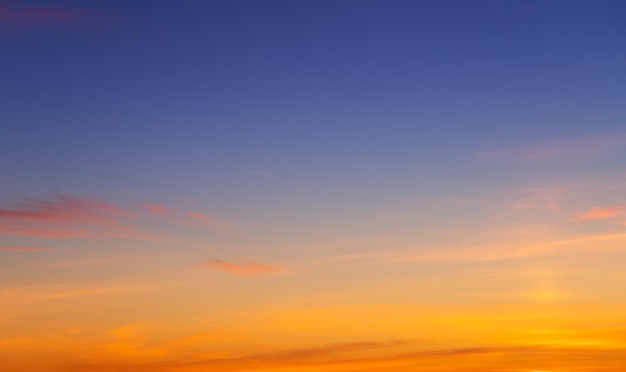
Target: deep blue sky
column 150, row 93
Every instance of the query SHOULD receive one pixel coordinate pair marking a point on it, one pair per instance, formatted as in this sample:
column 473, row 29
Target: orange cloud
column 244, row 268
column 378, row 356
column 597, row 213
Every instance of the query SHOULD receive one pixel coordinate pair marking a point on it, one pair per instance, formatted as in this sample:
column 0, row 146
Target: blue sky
column 282, row 86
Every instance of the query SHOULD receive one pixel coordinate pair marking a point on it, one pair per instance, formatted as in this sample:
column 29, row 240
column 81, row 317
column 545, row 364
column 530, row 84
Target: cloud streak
column 185, row 217
column 156, row 209
column 26, row 249
column 560, row 148
column 369, row 356
column 245, row 268
column 22, row 15
column 63, row 216
column 35, row 300
column 201, row 218
column 591, row 243
column 67, row 217
column 599, row 213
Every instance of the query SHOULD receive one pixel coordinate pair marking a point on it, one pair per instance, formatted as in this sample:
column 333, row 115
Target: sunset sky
column 313, row 186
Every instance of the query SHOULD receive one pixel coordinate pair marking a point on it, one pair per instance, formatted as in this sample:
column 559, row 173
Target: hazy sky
column 312, row 185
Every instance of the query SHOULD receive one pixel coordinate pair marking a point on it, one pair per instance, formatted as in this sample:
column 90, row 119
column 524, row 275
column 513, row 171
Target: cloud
column 20, row 301
column 483, row 253
column 327, row 355
column 156, row 209
column 67, row 217
column 184, row 217
column 36, row 300
column 585, row 243
column 371, row 356
column 18, row 14
column 65, row 209
column 63, row 233
column 597, row 213
column 243, row 268
column 201, row 218
column 86, row 261
column 26, row 249
column 322, row 352
column 63, row 216
column 560, row 148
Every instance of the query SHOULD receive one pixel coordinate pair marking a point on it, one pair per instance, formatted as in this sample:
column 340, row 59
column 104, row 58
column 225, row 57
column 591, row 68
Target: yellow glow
column 544, row 295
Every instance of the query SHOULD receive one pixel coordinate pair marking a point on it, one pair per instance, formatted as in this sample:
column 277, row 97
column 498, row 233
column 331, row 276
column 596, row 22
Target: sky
column 312, row 186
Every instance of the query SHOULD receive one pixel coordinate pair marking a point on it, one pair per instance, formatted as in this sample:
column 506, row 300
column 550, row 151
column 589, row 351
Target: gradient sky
column 312, row 186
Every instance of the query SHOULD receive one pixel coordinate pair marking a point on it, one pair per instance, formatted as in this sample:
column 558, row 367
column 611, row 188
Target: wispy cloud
column 196, row 217
column 25, row 300
column 156, row 209
column 489, row 252
column 245, row 268
column 27, row 249
column 183, row 217
column 17, row 13
column 28, row 300
column 597, row 213
column 87, row 261
column 64, row 209
column 560, row 148
column 371, row 356
column 64, row 217
column 327, row 355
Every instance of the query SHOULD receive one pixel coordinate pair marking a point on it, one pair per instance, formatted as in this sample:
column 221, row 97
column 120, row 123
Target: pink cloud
column 65, row 209
column 157, row 209
column 66, row 217
column 26, row 249
column 16, row 13
column 201, row 218
column 597, row 213
column 194, row 218
column 182, row 217
column 247, row 267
